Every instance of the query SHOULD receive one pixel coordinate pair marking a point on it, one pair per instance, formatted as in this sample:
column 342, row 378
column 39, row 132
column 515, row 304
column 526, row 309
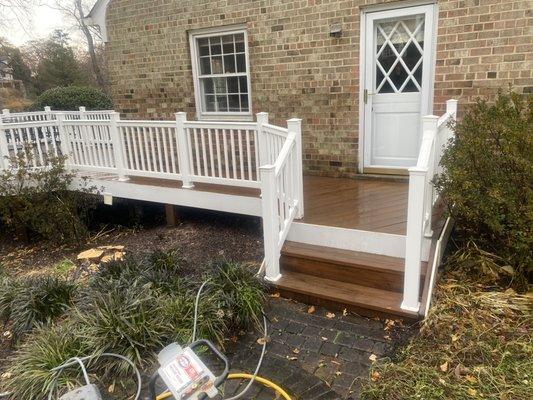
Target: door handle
column 365, row 95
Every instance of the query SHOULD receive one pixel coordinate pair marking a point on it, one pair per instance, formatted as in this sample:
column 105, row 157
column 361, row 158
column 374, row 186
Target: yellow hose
column 264, row 381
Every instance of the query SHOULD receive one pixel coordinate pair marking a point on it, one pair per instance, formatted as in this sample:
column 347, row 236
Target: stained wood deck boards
column 377, row 205
column 373, row 205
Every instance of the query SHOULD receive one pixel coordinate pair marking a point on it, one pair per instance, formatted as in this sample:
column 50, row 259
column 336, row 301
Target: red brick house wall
column 298, row 70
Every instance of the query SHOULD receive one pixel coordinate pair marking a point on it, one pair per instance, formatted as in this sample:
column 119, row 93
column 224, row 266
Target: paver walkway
column 314, row 355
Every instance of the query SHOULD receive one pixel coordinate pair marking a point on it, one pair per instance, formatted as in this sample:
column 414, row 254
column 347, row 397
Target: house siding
column 298, row 70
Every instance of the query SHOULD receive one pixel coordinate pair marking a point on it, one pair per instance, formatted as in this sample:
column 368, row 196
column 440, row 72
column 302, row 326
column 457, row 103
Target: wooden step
column 364, row 269
column 333, row 294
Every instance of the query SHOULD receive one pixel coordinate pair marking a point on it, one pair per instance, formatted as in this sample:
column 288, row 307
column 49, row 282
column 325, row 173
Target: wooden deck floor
column 367, row 204
column 376, row 205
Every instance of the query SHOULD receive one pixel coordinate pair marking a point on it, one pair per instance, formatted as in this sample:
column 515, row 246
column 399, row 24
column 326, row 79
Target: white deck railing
column 422, row 198
column 245, row 154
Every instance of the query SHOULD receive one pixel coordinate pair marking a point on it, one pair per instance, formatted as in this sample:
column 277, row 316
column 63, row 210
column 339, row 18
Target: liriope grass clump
column 30, row 375
column 32, row 301
column 133, row 307
column 238, row 292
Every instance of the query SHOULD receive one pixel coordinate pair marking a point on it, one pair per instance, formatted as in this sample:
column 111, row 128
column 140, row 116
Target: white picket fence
column 244, row 154
column 423, row 197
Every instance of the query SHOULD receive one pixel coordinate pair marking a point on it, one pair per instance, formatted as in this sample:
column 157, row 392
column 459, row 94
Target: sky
column 45, row 20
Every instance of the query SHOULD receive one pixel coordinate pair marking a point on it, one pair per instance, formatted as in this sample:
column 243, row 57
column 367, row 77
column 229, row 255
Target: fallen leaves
column 444, row 367
column 311, row 310
column 275, row 295
column 373, row 357
column 375, row 376
column 330, row 315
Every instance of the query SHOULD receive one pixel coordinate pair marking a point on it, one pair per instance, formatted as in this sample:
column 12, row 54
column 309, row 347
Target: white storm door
column 398, row 65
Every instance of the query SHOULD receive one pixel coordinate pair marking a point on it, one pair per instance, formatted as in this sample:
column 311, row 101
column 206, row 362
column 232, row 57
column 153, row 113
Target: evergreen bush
column 487, row 185
column 70, row 98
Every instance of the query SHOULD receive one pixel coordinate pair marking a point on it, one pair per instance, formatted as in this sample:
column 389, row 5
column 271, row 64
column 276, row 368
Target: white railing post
column 4, row 149
column 63, row 137
column 262, row 118
column 451, row 107
column 429, row 134
column 414, row 238
column 269, row 213
column 48, row 111
column 118, row 145
column 295, row 125
column 183, row 150
column 82, row 112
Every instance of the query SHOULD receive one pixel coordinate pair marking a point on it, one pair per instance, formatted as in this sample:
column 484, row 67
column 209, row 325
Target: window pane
column 222, row 103
column 241, row 63
column 205, row 66
column 216, row 65
column 239, row 43
column 243, row 84
column 203, row 45
column 216, row 48
column 208, row 85
column 210, row 103
column 244, row 102
column 227, row 44
column 234, row 102
column 220, row 85
column 229, row 64
column 233, row 85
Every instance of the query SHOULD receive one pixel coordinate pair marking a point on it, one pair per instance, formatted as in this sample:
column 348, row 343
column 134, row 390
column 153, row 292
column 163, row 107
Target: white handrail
column 422, row 198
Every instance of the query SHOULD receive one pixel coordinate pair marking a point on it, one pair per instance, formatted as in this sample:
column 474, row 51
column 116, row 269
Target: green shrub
column 46, row 348
column 127, row 321
column 70, row 98
column 39, row 300
column 40, row 201
column 169, row 260
column 238, row 292
column 488, row 182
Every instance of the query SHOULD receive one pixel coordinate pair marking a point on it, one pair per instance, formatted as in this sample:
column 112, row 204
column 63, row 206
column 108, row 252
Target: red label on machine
column 188, row 367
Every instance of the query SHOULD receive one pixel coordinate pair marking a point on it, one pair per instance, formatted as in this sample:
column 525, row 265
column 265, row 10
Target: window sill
column 222, row 117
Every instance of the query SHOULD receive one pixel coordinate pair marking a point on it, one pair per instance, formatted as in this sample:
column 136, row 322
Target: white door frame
column 428, row 72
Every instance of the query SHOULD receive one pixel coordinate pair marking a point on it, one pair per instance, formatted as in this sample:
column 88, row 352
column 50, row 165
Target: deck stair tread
column 394, row 265
column 358, row 298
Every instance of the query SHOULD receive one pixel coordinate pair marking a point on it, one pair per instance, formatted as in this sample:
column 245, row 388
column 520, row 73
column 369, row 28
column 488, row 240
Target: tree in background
column 15, row 11
column 56, row 63
column 76, row 10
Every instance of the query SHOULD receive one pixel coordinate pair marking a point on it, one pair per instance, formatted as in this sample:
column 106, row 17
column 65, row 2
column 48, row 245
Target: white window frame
column 195, row 61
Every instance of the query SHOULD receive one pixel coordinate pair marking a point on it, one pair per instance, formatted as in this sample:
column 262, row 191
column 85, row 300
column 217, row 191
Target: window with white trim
column 221, row 72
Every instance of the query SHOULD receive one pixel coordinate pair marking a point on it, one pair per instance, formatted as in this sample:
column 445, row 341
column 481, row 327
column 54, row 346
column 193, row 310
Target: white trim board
column 177, row 196
column 386, row 244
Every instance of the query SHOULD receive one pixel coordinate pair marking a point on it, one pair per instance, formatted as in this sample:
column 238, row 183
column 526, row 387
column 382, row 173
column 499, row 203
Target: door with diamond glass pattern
column 398, row 56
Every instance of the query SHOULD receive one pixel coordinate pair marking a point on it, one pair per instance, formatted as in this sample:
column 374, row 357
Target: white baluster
column 295, row 125
column 270, row 216
column 119, row 152
column 183, row 150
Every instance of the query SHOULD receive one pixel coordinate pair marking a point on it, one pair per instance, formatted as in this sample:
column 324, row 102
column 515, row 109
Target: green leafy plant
column 42, row 200
column 8, row 288
column 72, row 97
column 487, row 184
column 38, row 300
column 238, row 292
column 47, row 347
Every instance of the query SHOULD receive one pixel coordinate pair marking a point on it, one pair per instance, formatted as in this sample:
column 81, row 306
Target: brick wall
column 298, row 70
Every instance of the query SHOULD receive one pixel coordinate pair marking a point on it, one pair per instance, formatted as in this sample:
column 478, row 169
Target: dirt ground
column 201, row 237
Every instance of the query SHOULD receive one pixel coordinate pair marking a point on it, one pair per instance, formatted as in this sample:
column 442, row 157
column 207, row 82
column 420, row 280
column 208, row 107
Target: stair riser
column 357, row 274
column 343, row 273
